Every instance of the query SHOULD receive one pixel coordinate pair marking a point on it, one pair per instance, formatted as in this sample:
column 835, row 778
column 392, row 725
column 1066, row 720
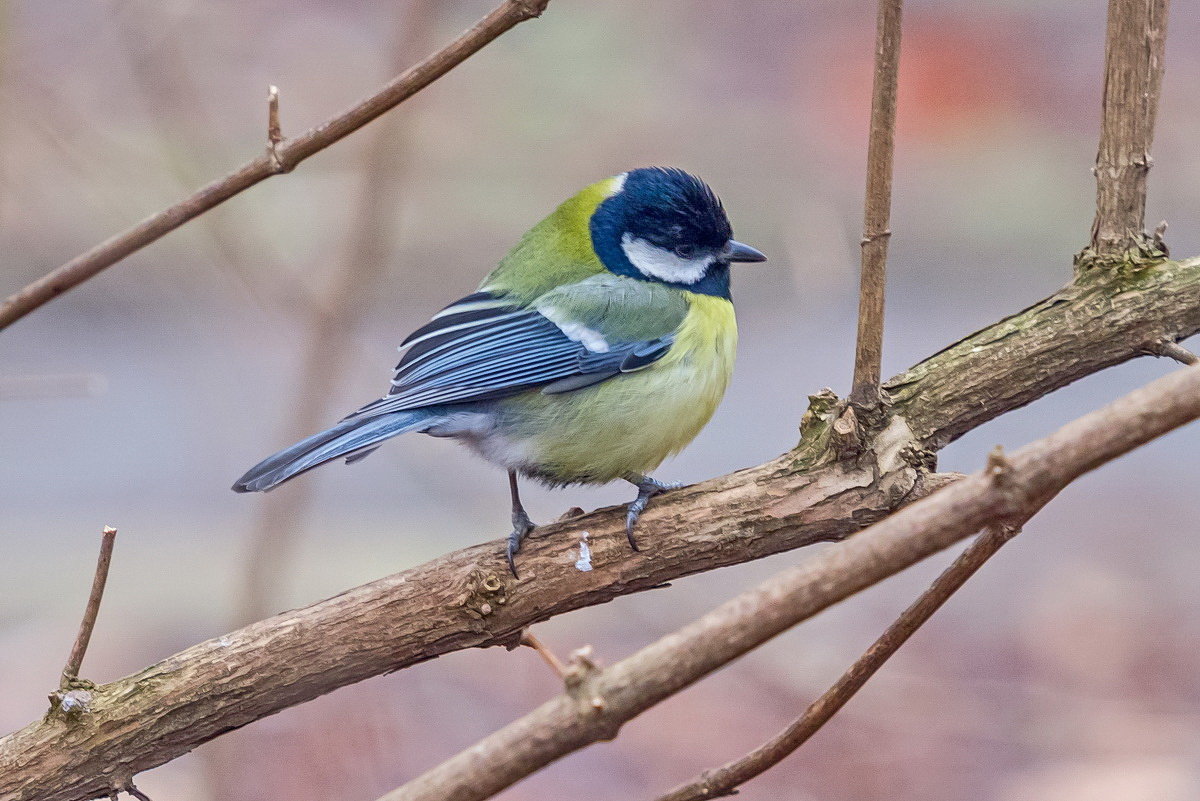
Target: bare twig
column 877, row 207
column 724, row 780
column 1133, row 70
column 1173, row 350
column 108, row 538
column 289, row 154
column 274, row 130
column 132, row 789
column 528, row 639
column 1032, row 476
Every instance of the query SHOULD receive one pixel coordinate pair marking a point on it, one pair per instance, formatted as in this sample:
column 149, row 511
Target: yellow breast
column 628, row 425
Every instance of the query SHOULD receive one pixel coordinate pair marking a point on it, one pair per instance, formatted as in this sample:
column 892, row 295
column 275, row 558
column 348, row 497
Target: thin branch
column 108, row 538
column 612, row 696
column 132, row 789
column 1133, row 69
column 877, row 207
column 529, row 640
column 1173, row 350
column 467, row 599
column 289, row 154
column 725, row 780
column 274, row 129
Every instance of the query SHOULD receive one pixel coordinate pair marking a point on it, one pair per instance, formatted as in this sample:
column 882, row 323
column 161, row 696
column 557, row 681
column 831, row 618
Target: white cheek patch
column 577, row 332
column 655, row 262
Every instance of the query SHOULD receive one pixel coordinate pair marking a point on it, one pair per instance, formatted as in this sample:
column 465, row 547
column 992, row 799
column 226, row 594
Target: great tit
column 600, row 345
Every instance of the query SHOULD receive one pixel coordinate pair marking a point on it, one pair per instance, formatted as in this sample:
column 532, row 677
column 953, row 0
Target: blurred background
column 1066, row 669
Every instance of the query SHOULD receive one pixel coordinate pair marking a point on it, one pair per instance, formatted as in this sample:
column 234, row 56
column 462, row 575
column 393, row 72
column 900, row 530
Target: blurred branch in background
column 289, row 154
column 51, row 386
column 332, row 325
column 175, row 106
column 1007, row 493
column 6, row 102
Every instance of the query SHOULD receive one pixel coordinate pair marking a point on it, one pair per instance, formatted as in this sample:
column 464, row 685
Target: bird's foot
column 647, row 489
column 522, row 525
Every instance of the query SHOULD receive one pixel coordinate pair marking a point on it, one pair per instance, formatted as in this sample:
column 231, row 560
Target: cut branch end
column 70, row 674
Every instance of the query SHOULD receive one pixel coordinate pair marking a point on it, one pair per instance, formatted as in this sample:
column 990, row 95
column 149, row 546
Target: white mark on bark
column 584, row 562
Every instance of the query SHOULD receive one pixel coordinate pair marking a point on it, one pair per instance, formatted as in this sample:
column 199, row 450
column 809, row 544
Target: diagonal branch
column 725, row 780
column 610, row 697
column 467, row 599
column 877, row 207
column 282, row 158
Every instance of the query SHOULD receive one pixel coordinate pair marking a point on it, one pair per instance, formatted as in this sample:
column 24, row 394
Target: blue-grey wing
column 481, row 348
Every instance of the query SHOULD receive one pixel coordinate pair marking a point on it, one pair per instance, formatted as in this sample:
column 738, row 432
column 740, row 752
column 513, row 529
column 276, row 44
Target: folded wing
column 482, row 348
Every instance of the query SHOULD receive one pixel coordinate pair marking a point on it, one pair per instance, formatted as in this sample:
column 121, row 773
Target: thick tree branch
column 467, row 599
column 725, row 780
column 1133, row 69
column 608, row 698
column 1106, row 320
column 282, row 158
column 877, row 207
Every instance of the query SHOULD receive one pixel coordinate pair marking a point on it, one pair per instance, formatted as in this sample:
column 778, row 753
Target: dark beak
column 736, row 251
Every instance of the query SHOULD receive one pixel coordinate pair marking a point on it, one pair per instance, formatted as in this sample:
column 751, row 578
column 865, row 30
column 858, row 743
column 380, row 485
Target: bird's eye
column 685, row 251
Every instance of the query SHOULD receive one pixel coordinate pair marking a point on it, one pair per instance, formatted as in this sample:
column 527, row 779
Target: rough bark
column 467, row 599
column 1103, row 318
column 1133, row 69
column 877, row 207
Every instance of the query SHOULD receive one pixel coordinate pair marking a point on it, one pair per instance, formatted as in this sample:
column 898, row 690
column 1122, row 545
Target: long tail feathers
column 355, row 436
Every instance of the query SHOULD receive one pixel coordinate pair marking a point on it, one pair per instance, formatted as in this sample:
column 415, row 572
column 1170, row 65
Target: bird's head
column 664, row 225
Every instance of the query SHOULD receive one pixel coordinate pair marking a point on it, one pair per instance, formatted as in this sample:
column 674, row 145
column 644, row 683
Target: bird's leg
column 522, row 525
column 647, row 489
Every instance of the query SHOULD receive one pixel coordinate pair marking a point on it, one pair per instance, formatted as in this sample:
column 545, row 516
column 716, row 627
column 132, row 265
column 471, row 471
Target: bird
column 601, row 344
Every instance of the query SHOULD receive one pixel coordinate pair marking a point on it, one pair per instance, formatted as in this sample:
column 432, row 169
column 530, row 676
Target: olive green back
column 556, row 251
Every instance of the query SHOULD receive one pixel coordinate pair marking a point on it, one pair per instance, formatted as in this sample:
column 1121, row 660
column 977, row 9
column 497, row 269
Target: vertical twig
column 1133, row 68
column 877, row 206
column 274, row 129
column 108, row 538
column 725, row 780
